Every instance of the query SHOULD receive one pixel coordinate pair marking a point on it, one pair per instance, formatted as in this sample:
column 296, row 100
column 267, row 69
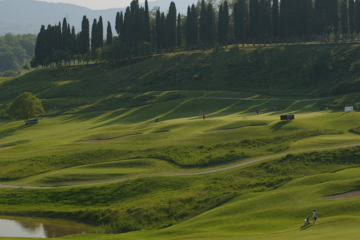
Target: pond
column 40, row 227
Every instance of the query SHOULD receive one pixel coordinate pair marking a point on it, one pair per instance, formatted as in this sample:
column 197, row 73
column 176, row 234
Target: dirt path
column 196, row 173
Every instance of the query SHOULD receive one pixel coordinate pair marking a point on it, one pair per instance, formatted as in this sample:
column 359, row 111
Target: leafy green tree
column 25, row 106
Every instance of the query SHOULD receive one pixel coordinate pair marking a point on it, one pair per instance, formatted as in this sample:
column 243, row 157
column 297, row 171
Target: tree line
column 15, row 53
column 141, row 32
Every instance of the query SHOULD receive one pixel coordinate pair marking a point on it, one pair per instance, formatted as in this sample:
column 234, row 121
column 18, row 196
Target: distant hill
column 27, row 16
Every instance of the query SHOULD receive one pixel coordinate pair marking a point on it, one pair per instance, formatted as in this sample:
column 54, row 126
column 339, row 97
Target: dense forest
column 140, row 32
column 15, row 53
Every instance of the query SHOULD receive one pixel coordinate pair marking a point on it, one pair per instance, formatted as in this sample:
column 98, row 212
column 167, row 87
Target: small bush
column 346, row 87
column 120, row 226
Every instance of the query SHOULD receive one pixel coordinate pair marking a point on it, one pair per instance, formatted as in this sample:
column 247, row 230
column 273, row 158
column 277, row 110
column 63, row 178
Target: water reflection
column 40, row 227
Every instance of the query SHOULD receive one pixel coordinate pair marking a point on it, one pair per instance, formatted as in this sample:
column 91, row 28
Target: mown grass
column 157, row 195
column 270, row 197
column 181, row 137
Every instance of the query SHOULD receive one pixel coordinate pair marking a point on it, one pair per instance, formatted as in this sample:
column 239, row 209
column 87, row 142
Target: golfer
column 314, row 215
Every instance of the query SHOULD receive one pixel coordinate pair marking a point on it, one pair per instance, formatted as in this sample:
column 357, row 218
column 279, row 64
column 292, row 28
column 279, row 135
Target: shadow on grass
column 12, row 131
column 305, row 227
column 279, row 125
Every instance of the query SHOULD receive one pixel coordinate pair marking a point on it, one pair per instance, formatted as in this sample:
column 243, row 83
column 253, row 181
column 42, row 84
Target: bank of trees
column 15, row 53
column 140, row 32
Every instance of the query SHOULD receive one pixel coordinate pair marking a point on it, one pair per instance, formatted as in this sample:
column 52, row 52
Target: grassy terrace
column 106, row 161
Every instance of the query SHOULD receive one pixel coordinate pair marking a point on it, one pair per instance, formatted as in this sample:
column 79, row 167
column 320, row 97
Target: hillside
column 283, row 70
column 124, row 148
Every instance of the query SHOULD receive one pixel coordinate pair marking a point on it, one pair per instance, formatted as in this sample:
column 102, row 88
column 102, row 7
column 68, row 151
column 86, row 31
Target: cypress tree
column 40, row 46
column 188, row 27
column 240, row 16
column 344, row 17
column 51, row 35
column 85, row 36
column 117, row 23
column 223, row 23
column 109, row 35
column 203, row 22
column 357, row 16
column 319, row 17
column 64, row 35
column 126, row 37
column 178, row 31
column 94, row 39
column 210, row 32
column 135, row 19
column 236, row 22
column 275, row 19
column 333, row 15
column 73, row 41
column 351, row 16
column 163, row 30
column 159, row 36
column 146, row 23
column 194, row 26
column 171, row 26
column 54, row 36
column 220, row 25
column 100, row 33
column 226, row 22
column 253, row 19
column 264, row 19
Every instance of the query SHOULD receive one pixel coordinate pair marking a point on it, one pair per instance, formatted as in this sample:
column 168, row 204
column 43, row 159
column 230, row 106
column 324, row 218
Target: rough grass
column 279, row 70
column 265, row 198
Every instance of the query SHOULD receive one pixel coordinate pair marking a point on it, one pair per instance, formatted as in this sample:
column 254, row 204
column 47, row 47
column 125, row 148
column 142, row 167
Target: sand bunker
column 343, row 195
column 110, row 139
column 228, row 129
column 5, row 147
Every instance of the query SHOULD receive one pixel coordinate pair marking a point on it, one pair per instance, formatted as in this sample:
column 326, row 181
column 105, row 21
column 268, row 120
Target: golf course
column 178, row 146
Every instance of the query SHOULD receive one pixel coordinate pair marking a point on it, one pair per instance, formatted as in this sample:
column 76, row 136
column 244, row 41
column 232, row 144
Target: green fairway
column 126, row 148
column 232, row 133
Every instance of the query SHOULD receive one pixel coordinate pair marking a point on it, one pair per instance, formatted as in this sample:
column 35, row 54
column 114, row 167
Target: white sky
column 97, row 4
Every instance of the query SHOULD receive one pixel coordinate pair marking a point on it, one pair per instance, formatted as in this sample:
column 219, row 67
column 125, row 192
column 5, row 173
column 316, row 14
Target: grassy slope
column 96, row 103
column 290, row 70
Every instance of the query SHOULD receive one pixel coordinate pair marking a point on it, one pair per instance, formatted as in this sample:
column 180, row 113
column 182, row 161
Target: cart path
column 192, row 174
